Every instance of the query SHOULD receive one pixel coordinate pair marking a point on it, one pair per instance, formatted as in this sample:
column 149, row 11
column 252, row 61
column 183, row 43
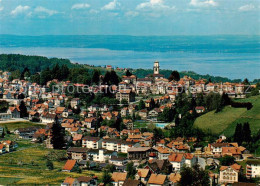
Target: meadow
column 224, row 122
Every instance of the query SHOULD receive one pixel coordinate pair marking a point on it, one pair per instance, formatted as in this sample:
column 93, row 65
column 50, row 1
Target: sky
column 130, row 17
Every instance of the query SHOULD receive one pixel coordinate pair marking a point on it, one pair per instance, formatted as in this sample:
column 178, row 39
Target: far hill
column 226, row 120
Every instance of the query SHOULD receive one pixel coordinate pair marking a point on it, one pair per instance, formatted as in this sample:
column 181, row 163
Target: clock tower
column 156, row 67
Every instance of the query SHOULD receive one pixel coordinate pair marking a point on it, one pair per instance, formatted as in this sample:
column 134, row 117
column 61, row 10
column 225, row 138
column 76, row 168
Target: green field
column 15, row 125
column 27, row 166
column 226, row 120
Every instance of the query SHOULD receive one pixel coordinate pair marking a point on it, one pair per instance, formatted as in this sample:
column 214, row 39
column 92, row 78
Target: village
column 126, row 135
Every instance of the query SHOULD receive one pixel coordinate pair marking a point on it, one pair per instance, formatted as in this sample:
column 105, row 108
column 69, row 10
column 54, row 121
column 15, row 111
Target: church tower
column 156, row 67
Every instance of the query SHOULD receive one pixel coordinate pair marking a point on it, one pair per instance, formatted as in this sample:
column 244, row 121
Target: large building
column 253, row 168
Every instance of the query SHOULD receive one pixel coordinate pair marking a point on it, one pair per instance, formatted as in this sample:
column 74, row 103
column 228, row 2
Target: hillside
column 226, row 120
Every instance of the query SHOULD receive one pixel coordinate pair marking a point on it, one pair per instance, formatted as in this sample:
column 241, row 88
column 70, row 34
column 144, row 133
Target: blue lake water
column 228, row 56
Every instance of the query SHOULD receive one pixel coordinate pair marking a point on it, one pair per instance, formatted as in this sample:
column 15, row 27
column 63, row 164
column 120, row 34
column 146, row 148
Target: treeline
column 141, row 73
column 13, row 62
column 243, row 136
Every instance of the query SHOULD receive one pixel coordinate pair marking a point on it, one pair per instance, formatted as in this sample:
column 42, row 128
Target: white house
column 92, row 142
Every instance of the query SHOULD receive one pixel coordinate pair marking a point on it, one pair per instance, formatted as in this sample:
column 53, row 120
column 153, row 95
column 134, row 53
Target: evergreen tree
column 106, row 178
column 49, row 164
column 174, row 76
column 246, row 82
column 131, row 170
column 95, row 77
column 194, row 176
column 128, row 73
column 247, row 132
column 64, row 72
column 114, row 79
column 227, row 160
column 141, row 105
column 152, row 103
column 23, row 110
column 107, row 78
column 58, row 134
column 238, row 136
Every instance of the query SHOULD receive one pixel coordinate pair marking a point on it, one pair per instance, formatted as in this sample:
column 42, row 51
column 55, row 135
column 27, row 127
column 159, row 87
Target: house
column 92, row 142
column 100, row 155
column 48, row 118
column 174, row 178
column 139, row 153
column 77, row 153
column 159, row 166
column 253, row 168
column 163, row 153
column 157, row 180
column 90, row 122
column 117, row 145
column 74, row 102
column 190, row 159
column 15, row 111
column 229, row 174
column 130, row 182
column 143, row 114
column 87, row 181
column 70, row 166
column 143, row 175
column 77, row 138
column 118, row 161
column 118, row 178
column 125, row 94
column 69, row 181
column 128, row 123
column 153, row 114
column 10, row 145
column 124, row 112
column 200, row 109
column 26, row 133
column 177, row 160
column 2, row 149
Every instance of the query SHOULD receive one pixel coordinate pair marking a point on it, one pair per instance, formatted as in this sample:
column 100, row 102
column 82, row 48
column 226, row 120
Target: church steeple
column 156, row 67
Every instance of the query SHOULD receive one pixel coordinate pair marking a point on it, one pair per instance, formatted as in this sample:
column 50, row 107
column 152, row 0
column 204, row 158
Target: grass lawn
column 27, row 166
column 226, row 120
column 15, row 125
column 218, row 122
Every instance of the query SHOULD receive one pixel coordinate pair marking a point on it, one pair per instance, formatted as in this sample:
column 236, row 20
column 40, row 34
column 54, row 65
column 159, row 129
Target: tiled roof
column 119, row 176
column 157, row 179
column 69, row 165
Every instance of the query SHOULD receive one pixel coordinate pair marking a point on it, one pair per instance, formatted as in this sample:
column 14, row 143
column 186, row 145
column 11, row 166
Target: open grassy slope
column 226, row 120
column 15, row 125
column 28, row 173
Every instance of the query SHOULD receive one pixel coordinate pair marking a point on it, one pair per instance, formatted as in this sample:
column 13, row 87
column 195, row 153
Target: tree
column 152, row 103
column 49, row 164
column 167, row 115
column 247, row 132
column 95, row 77
column 23, row 110
column 58, row 134
column 106, row 79
column 174, row 76
column 124, row 102
column 238, row 136
column 106, row 178
column 128, row 73
column 194, row 176
column 246, row 82
column 131, row 170
column 114, row 79
column 141, row 105
column 227, row 160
